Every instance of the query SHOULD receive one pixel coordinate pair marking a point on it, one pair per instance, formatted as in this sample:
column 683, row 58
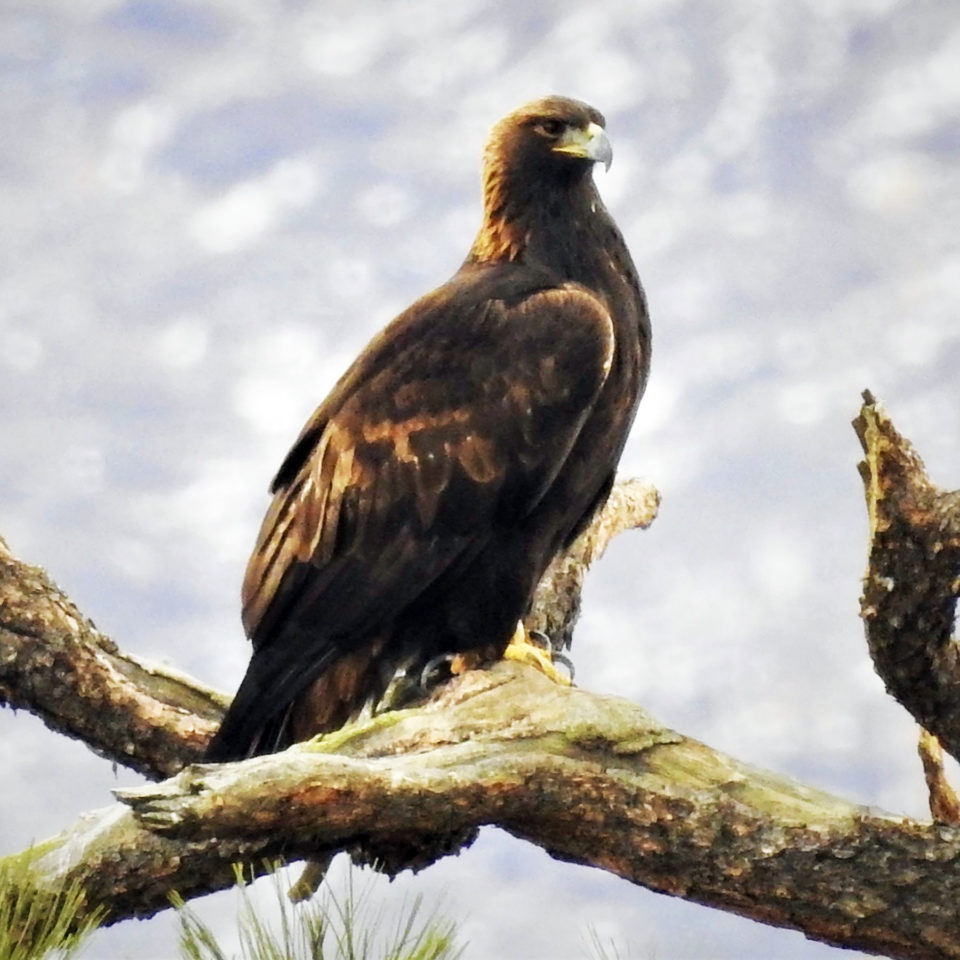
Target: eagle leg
column 524, row 649
column 545, row 641
column 534, row 648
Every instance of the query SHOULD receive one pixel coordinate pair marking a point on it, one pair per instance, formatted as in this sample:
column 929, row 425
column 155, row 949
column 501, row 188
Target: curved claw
column 566, row 661
column 427, row 674
column 541, row 639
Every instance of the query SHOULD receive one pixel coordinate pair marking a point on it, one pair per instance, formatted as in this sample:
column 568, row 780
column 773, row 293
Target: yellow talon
column 523, row 651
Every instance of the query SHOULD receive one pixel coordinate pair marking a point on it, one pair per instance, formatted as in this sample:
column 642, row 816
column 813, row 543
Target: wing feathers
column 458, row 424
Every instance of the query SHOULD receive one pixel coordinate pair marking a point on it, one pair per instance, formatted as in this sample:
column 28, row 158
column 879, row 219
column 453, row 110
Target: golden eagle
column 472, row 439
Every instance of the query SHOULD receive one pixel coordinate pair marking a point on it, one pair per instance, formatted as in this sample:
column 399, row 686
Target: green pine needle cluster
column 37, row 923
column 600, row 949
column 327, row 927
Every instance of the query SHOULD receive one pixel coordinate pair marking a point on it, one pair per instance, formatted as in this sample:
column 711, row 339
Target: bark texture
column 591, row 779
column 913, row 578
column 632, row 504
column 56, row 664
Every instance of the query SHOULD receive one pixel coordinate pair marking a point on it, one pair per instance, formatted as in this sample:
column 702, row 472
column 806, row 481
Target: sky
column 210, row 206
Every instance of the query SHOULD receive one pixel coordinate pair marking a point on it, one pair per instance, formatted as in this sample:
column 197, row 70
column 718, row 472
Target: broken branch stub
column 913, row 577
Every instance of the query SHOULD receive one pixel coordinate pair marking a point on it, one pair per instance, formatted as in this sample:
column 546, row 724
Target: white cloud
column 241, row 216
column 183, row 343
column 893, row 183
column 339, row 51
column 20, row 351
column 136, row 133
column 802, row 404
column 385, row 204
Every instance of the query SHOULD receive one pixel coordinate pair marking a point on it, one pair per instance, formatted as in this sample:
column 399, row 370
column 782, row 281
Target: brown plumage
column 470, row 441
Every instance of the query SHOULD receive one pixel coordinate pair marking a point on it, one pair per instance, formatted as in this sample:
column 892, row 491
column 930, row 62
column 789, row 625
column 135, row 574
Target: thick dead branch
column 913, row 578
column 590, row 779
column 632, row 504
column 55, row 663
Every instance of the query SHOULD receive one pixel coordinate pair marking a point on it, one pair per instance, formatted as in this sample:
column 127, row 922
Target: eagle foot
column 435, row 670
column 448, row 665
column 524, row 647
column 541, row 639
column 531, row 647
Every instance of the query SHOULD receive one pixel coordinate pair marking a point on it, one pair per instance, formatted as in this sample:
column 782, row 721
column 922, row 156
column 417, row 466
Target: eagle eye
column 550, row 128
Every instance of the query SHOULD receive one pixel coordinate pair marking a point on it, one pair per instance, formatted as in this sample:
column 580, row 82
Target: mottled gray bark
column 590, row 779
column 56, row 664
column 913, row 578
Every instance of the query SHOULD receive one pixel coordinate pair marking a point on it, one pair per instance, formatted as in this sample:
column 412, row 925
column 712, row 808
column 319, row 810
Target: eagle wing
column 453, row 420
column 456, row 419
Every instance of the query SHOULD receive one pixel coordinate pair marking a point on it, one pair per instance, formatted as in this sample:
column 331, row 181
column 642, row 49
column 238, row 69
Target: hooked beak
column 591, row 143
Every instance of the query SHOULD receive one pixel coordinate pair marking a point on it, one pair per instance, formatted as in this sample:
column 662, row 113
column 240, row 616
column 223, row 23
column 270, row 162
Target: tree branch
column 590, row 779
column 913, row 577
column 55, row 663
column 632, row 504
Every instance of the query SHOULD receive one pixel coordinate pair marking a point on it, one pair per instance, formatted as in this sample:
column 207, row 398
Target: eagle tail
column 259, row 719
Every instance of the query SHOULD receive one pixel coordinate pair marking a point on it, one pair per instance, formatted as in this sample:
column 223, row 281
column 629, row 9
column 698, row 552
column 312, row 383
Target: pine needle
column 35, row 922
column 328, row 927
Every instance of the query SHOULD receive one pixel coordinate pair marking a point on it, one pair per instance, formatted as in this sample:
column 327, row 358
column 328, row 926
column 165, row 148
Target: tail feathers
column 258, row 720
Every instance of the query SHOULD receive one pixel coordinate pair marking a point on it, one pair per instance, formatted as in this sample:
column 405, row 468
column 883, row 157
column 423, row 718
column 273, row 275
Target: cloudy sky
column 209, row 207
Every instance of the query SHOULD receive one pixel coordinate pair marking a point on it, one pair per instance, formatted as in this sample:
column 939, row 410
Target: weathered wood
column 913, row 578
column 944, row 805
column 633, row 504
column 56, row 664
column 591, row 779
